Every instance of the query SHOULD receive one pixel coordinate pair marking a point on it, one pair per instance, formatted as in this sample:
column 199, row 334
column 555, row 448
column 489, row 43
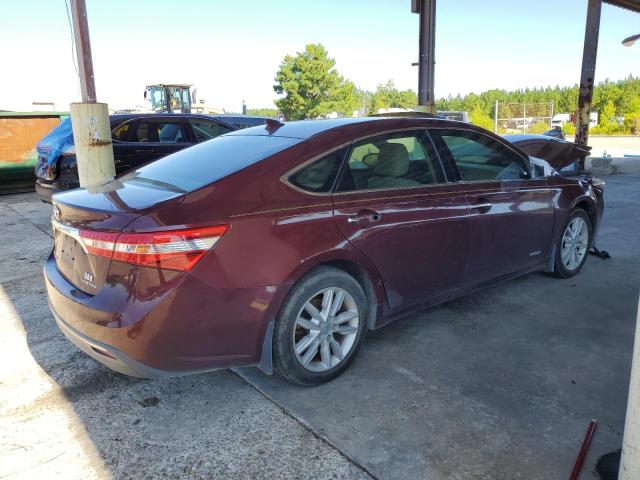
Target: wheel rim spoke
column 311, row 352
column 336, row 304
column 335, row 348
column 327, row 300
column 345, row 317
column 308, row 324
column 345, row 329
column 313, row 311
column 306, row 341
column 325, row 355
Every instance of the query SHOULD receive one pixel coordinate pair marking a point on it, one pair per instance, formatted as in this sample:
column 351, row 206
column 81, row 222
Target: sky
column 231, row 50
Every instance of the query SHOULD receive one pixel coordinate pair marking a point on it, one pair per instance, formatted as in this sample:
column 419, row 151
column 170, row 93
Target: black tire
column 560, row 270
column 285, row 361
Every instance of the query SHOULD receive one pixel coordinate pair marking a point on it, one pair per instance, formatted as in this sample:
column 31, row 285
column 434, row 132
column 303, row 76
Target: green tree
column 481, row 119
column 346, row 99
column 632, row 116
column 310, row 84
column 263, row 112
column 388, row 96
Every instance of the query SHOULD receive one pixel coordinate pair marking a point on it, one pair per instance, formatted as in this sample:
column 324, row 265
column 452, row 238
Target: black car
column 242, row 121
column 137, row 139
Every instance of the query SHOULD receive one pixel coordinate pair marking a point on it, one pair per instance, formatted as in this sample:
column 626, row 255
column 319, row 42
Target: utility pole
column 426, row 63
column 89, row 119
column 495, row 118
column 587, row 74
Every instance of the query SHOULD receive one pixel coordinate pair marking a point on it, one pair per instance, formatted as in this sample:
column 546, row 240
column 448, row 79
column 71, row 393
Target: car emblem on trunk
column 56, row 213
column 87, row 278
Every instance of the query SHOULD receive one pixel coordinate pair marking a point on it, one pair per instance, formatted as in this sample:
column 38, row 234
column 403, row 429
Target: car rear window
column 197, row 166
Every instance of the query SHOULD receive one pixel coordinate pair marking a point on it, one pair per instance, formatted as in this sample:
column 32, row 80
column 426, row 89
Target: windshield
column 202, row 164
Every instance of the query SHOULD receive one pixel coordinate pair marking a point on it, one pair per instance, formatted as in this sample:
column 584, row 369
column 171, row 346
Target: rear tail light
column 172, row 249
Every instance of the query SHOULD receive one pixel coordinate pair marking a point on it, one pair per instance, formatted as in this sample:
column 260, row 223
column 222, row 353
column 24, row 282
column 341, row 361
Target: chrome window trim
column 284, row 178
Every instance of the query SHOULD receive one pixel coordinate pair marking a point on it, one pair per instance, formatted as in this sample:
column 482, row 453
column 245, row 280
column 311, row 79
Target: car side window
column 395, row 160
column 206, row 130
column 320, row 175
column 121, row 132
column 158, row 132
column 479, row 157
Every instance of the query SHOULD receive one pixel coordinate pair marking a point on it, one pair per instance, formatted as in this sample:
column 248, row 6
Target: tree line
column 309, row 86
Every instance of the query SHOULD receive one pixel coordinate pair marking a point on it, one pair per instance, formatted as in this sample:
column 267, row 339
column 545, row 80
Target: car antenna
column 272, row 125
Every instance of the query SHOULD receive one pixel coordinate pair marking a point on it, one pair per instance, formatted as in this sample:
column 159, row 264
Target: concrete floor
column 497, row 385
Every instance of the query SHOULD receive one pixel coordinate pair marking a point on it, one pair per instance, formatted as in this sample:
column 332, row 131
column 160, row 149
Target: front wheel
column 573, row 245
column 320, row 327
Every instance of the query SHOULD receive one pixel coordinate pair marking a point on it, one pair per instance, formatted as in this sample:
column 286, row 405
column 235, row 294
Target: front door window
column 396, row 160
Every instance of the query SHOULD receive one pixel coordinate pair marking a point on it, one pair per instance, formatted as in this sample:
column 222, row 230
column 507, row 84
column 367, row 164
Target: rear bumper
column 173, row 334
column 109, row 356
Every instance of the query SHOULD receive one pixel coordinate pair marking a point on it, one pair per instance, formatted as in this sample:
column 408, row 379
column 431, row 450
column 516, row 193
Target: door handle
column 370, row 215
column 483, row 206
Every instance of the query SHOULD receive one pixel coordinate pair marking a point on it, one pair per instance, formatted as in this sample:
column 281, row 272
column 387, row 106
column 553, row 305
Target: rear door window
column 319, row 175
column 155, row 131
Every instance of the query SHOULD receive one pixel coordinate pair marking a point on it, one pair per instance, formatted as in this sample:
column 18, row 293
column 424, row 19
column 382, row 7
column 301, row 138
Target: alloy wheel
column 575, row 242
column 326, row 329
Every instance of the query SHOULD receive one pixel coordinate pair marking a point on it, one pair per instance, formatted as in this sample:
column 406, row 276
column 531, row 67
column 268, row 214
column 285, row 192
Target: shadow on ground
column 205, row 426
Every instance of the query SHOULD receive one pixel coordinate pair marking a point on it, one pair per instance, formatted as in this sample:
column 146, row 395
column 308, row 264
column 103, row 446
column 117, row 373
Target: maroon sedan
column 280, row 246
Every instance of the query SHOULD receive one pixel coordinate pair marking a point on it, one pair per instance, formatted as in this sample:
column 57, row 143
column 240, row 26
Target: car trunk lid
column 86, row 220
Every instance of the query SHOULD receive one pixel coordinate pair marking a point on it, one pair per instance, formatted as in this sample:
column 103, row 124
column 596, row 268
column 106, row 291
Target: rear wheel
column 320, row 327
column 573, row 244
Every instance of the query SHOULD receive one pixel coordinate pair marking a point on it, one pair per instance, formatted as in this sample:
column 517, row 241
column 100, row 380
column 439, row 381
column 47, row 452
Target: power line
column 73, row 45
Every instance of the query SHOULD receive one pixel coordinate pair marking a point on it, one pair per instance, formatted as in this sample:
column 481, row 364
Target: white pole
column 630, row 461
column 495, row 119
column 92, row 137
column 89, row 120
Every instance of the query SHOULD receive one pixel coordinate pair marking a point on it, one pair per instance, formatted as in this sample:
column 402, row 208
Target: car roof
column 303, row 129
column 118, row 118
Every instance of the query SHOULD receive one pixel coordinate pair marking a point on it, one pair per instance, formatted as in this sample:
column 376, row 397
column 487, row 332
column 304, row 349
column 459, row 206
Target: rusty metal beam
column 426, row 64
column 589, row 54
column 83, row 50
column 633, row 5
